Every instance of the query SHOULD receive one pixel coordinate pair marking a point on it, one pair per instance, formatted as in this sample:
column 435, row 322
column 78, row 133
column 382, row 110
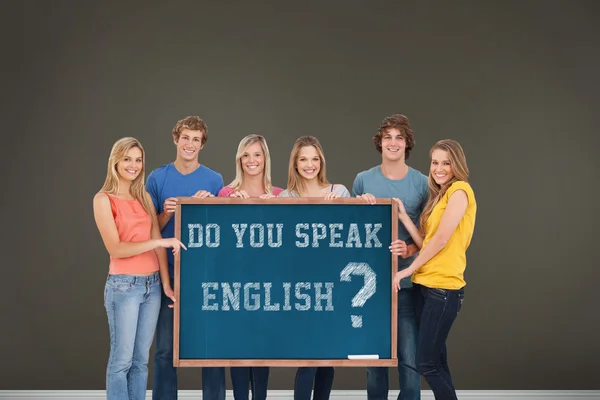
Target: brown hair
column 458, row 162
column 192, row 123
column 400, row 122
column 295, row 180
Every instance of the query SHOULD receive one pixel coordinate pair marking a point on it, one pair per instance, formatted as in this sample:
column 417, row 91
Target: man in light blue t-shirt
column 183, row 177
column 394, row 178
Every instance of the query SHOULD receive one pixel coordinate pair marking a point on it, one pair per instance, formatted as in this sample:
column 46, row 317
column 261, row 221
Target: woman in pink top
column 252, row 171
column 252, row 179
column 126, row 219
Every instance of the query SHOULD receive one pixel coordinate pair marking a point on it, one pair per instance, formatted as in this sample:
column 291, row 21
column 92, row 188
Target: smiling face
column 308, row 162
column 131, row 165
column 441, row 168
column 189, row 144
column 253, row 160
column 393, row 145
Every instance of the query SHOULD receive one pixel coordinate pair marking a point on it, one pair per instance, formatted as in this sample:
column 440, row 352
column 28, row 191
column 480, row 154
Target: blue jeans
column 257, row 377
column 409, row 379
column 321, row 377
column 132, row 304
column 164, row 383
column 436, row 311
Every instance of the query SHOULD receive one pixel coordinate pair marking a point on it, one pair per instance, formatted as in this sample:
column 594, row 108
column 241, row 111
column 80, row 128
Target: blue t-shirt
column 167, row 181
column 413, row 190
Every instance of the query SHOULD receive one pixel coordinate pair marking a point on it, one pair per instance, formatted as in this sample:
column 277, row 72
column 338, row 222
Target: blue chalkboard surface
column 284, row 282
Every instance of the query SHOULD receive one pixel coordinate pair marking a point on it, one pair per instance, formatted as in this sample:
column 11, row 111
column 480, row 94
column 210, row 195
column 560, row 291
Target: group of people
column 436, row 222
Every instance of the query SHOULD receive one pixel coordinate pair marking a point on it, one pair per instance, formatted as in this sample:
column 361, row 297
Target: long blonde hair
column 458, row 162
column 111, row 183
column 246, row 142
column 295, row 181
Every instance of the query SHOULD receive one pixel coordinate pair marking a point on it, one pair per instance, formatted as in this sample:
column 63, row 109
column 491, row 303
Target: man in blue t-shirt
column 394, row 178
column 183, row 177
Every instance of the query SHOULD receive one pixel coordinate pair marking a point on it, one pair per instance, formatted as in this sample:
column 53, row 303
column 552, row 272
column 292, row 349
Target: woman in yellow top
column 446, row 228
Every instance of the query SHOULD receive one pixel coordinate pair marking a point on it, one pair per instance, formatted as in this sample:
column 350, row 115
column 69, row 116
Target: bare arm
column 110, row 236
column 457, row 206
column 163, row 220
column 408, row 224
column 412, row 230
column 412, row 249
column 161, row 254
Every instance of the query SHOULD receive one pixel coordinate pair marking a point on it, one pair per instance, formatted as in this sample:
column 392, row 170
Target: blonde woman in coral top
column 446, row 229
column 126, row 219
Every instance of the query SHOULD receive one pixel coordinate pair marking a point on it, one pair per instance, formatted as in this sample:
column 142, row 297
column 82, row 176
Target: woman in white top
column 307, row 178
column 307, row 172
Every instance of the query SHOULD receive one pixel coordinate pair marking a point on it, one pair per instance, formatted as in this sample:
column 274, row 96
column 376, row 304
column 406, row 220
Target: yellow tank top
column 446, row 269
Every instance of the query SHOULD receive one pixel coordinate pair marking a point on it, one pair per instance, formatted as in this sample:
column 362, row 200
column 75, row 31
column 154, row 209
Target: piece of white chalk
column 363, row 357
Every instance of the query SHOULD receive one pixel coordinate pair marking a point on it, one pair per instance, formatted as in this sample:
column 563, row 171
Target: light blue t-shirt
column 413, row 190
column 167, row 181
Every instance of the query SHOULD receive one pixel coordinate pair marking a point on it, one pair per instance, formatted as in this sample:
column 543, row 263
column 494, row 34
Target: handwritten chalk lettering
column 231, row 299
column 371, row 235
column 327, row 296
column 206, row 287
column 216, row 234
column 333, row 235
column 313, row 234
column 303, row 296
column 366, row 292
column 308, row 235
column 239, row 230
column 209, row 235
column 317, row 296
column 254, row 228
column 287, row 286
column 257, row 235
column 302, row 235
column 270, row 235
column 268, row 306
column 254, row 297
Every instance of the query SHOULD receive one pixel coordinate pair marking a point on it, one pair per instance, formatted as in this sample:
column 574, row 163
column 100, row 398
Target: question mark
column 365, row 292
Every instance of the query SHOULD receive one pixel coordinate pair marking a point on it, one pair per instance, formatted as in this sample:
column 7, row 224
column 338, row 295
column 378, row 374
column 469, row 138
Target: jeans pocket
column 122, row 287
column 439, row 294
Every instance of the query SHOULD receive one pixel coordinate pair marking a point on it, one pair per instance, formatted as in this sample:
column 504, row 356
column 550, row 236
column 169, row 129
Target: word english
column 256, row 296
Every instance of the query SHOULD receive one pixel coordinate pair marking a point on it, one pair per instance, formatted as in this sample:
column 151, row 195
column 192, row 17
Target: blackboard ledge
column 286, row 363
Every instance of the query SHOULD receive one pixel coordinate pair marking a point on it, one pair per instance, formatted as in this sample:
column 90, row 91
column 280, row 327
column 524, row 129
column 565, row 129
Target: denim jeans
column 436, row 311
column 408, row 376
column 164, row 383
column 132, row 304
column 257, row 377
column 321, row 377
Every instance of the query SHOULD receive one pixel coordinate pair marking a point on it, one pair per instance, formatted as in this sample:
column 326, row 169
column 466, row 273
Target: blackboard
column 285, row 282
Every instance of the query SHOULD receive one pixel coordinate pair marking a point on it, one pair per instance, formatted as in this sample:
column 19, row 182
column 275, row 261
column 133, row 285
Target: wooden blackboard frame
column 177, row 362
